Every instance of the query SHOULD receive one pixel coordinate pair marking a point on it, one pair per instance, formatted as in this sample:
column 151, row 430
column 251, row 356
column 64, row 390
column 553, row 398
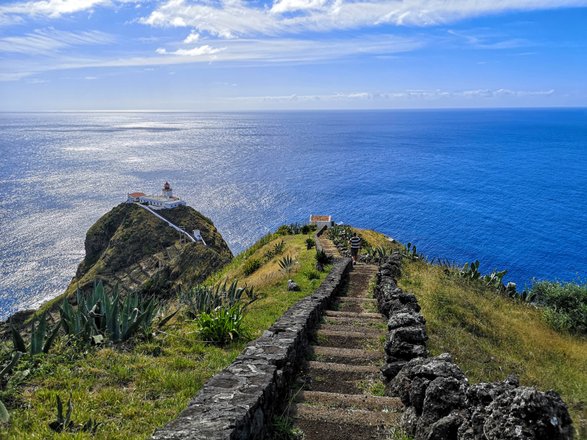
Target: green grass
column 491, row 336
column 132, row 389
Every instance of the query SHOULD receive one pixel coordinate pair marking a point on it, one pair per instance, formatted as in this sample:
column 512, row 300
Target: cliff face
column 131, row 247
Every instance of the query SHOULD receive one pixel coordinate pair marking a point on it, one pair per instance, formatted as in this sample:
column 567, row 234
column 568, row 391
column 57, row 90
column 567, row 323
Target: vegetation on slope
column 491, row 335
column 565, row 305
column 132, row 388
column 128, row 246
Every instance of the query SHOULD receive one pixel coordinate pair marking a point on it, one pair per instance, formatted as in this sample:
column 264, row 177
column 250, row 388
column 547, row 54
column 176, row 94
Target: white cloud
column 250, row 51
column 230, row 18
column 195, row 52
column 283, row 6
column 13, row 12
column 50, row 8
column 403, row 95
column 192, row 37
column 49, row 41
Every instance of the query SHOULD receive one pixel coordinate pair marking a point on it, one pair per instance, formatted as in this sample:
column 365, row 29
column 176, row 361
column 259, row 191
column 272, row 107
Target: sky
column 223, row 55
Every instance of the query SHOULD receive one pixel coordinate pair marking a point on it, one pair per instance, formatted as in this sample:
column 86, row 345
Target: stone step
column 357, row 299
column 355, row 307
column 350, row 401
column 349, row 329
column 345, row 416
column 343, row 368
column 353, row 315
column 346, row 355
column 356, row 322
column 364, row 268
column 347, row 339
column 340, row 378
column 320, row 430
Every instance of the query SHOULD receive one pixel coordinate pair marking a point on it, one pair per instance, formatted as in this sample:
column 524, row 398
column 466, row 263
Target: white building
column 165, row 201
column 321, row 220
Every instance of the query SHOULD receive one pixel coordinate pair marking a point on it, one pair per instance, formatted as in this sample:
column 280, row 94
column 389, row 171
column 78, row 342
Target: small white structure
column 321, row 220
column 165, row 201
column 198, row 236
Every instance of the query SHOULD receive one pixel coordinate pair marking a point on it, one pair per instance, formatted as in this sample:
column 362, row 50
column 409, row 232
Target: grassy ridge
column 131, row 390
column 491, row 336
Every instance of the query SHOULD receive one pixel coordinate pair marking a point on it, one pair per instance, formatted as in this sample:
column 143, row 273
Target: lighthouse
column 167, row 191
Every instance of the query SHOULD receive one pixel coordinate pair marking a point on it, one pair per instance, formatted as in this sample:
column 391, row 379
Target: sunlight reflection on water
column 461, row 185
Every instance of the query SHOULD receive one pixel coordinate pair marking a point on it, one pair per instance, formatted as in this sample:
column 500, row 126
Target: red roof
column 137, row 194
column 320, row 218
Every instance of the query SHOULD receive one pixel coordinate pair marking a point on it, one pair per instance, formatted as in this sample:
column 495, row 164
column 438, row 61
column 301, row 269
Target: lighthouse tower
column 167, row 191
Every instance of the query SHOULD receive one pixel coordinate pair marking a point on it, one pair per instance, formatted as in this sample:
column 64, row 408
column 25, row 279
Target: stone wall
column 440, row 403
column 407, row 327
column 240, row 401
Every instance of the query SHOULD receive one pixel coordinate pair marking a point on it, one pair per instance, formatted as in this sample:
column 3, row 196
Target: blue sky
column 205, row 55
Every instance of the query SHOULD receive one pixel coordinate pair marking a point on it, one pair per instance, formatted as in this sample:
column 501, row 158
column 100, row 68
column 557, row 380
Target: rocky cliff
column 132, row 248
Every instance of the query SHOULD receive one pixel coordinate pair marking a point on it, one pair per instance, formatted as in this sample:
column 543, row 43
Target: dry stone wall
column 440, row 403
column 240, row 401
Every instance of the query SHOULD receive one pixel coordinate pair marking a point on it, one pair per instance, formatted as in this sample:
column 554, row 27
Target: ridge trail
column 177, row 228
column 334, row 396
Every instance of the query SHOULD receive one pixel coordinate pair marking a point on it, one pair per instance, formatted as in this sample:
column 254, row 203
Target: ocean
column 506, row 187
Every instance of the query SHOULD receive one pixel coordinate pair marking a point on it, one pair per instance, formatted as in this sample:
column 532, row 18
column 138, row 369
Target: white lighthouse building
column 165, row 201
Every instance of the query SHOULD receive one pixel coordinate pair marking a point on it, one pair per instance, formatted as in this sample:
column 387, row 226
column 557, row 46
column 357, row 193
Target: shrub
column 322, row 258
column 277, row 249
column 222, row 325
column 565, row 305
column 251, row 266
column 291, row 229
column 312, row 275
column 284, row 230
column 310, row 243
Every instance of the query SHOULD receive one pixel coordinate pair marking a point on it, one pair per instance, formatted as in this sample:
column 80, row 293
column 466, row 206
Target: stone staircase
column 335, row 396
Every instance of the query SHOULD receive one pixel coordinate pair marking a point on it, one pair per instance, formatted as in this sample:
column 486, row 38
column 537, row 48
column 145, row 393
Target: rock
column 391, row 369
column 405, row 350
column 526, row 413
column 405, row 319
column 414, row 335
column 447, row 427
column 443, row 396
column 482, row 394
column 418, row 393
column 412, row 382
column 409, row 421
column 292, row 286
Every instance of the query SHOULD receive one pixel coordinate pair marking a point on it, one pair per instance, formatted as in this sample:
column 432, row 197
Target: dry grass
column 491, row 336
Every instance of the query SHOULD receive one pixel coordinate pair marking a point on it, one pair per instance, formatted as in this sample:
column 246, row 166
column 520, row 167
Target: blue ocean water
column 507, row 187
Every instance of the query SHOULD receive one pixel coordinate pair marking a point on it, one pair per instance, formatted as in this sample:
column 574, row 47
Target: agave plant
column 222, row 325
column 101, row 314
column 204, row 299
column 287, row 263
column 4, row 416
column 277, row 249
column 38, row 342
column 64, row 422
